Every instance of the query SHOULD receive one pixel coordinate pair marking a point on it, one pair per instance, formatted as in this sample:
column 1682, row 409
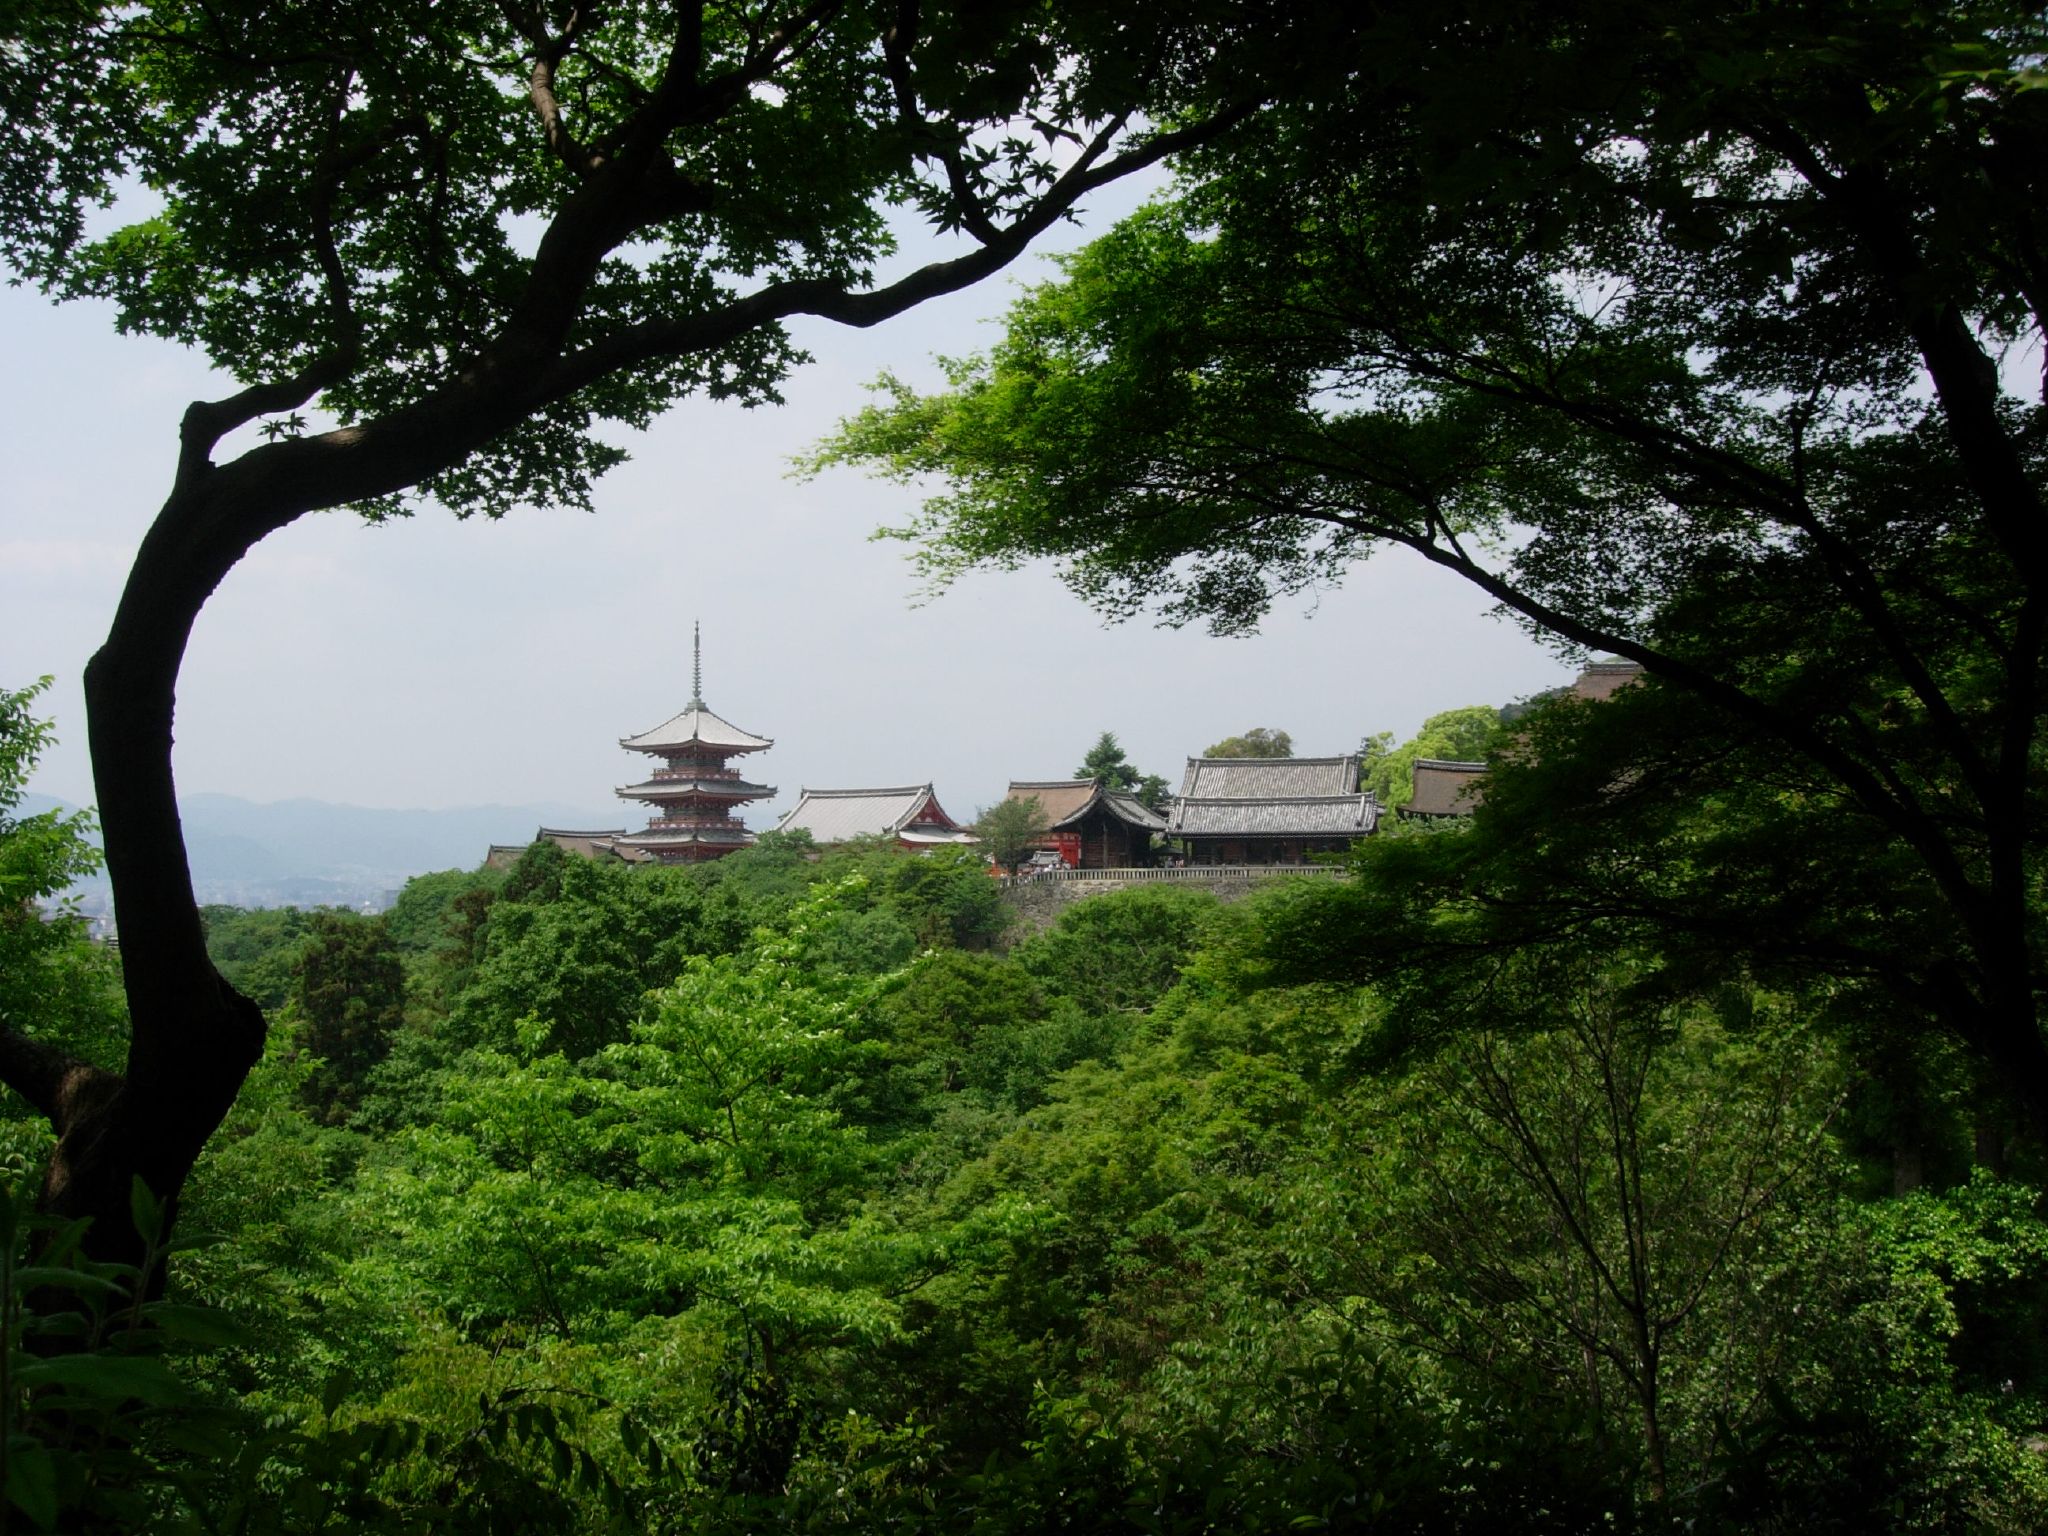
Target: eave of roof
column 696, row 724
column 675, row 789
column 1287, row 816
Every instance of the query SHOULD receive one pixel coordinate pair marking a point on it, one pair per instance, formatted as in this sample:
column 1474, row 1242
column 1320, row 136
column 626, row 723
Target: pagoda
column 693, row 793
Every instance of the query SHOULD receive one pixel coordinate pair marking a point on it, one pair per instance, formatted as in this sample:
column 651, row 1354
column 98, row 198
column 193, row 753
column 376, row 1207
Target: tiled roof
column 583, row 843
column 1128, row 807
column 1266, row 778
column 1603, row 679
column 684, row 837
column 1067, row 800
column 696, row 724
column 838, row 815
column 1444, row 788
column 1057, row 798
column 1295, row 816
column 672, row 789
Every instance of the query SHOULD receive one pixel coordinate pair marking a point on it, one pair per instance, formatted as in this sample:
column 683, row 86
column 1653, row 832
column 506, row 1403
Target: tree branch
column 53, row 1081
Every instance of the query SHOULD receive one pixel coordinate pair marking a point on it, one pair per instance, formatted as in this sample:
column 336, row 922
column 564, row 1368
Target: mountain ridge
column 302, row 851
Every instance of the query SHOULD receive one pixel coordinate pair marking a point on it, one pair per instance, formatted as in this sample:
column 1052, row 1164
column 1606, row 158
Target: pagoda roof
column 1445, row 788
column 910, row 811
column 1287, row 816
column 671, row 789
column 696, row 725
column 1066, row 801
column 1264, row 778
column 683, row 837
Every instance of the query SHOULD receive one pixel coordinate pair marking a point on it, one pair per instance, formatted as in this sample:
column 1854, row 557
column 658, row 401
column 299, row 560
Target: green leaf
column 39, row 1276
column 32, row 1483
column 196, row 1325
column 147, row 1211
column 141, row 1377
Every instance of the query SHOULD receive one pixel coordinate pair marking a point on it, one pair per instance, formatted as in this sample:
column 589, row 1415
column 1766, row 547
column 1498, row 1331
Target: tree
column 1106, row 761
column 1256, row 742
column 1682, row 340
column 1456, row 735
column 349, row 984
column 1010, row 830
column 54, row 987
column 438, row 245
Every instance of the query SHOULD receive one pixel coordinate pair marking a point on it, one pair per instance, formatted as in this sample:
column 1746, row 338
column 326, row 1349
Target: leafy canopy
column 585, row 213
column 1682, row 334
column 1256, row 742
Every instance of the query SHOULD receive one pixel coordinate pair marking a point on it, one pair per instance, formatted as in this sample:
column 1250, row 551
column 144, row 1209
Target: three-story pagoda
column 694, row 794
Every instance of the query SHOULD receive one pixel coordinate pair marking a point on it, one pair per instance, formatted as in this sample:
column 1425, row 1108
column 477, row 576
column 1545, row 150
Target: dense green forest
column 800, row 1192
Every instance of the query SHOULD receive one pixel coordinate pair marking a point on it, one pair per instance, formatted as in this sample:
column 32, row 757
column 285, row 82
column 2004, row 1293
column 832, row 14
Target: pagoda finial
column 696, row 664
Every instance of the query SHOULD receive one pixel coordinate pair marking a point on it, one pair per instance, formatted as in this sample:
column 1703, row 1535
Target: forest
column 798, row 1191
column 1660, row 1147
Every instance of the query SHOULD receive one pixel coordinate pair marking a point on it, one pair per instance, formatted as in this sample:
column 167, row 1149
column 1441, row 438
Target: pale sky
column 433, row 663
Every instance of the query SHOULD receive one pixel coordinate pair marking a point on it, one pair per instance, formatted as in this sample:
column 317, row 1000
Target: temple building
column 1270, row 810
column 911, row 814
column 694, row 793
column 1091, row 826
column 1603, row 679
column 1444, row 788
column 585, row 844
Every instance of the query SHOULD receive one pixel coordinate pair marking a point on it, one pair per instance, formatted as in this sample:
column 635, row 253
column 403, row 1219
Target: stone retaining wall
column 1038, row 900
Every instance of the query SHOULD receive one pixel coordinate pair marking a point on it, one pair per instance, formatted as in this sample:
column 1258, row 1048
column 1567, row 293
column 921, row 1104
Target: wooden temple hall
column 1270, row 810
column 1091, row 826
column 693, row 790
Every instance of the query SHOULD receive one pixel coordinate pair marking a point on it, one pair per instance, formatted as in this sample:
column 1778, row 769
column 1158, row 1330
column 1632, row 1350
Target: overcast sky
column 434, row 663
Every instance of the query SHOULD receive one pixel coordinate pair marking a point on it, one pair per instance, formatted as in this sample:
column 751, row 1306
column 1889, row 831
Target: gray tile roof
column 696, row 724
column 1128, row 807
column 1263, row 778
column 670, row 789
column 684, row 837
column 1295, row 816
column 1444, row 788
column 839, row 815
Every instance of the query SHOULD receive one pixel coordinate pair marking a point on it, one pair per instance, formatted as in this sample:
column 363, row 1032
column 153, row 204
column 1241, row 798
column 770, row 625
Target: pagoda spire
column 696, row 664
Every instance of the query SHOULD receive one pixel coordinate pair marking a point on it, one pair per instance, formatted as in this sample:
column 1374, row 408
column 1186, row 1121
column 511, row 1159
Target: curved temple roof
column 1068, row 800
column 694, row 725
column 909, row 811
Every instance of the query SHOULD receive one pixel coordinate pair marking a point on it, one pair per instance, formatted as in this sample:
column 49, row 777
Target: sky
column 433, row 663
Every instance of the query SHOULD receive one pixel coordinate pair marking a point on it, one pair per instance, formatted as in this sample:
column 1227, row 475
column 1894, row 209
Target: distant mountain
column 313, row 852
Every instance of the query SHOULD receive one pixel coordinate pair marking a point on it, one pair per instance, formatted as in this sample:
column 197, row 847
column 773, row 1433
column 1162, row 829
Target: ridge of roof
column 849, row 794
